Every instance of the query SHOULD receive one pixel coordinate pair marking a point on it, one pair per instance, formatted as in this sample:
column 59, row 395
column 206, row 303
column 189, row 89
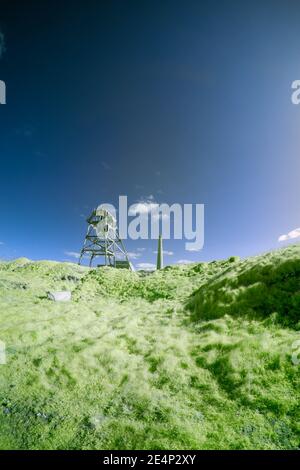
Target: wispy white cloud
column 26, row 131
column 146, row 266
column 141, row 249
column 192, row 249
column 76, row 255
column 165, row 252
column 72, row 254
column 39, row 154
column 105, row 165
column 131, row 254
column 184, row 261
column 143, row 206
column 290, row 236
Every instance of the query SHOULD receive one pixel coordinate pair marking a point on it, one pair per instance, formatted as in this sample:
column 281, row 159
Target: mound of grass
column 125, row 365
column 266, row 286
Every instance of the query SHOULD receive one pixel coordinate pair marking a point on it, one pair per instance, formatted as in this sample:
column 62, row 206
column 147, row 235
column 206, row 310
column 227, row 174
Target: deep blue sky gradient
column 187, row 101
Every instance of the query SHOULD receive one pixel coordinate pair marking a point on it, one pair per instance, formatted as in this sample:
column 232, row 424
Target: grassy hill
column 196, row 356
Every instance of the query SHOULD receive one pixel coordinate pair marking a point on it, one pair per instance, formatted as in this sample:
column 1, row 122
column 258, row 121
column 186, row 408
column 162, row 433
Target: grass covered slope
column 194, row 356
column 259, row 287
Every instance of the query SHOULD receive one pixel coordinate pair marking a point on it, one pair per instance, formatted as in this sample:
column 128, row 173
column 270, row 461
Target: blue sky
column 189, row 102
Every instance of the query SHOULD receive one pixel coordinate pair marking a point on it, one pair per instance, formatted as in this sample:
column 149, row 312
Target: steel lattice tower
column 102, row 239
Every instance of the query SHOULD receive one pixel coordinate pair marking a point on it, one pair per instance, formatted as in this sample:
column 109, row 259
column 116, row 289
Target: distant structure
column 102, row 239
column 160, row 254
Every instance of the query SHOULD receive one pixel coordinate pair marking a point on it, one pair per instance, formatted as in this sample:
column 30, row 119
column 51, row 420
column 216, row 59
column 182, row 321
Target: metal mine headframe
column 102, row 239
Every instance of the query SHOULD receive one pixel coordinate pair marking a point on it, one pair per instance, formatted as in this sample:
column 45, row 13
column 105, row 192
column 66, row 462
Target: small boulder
column 62, row 296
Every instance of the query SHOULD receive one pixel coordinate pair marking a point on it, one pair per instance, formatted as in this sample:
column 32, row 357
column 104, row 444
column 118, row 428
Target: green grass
column 194, row 356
